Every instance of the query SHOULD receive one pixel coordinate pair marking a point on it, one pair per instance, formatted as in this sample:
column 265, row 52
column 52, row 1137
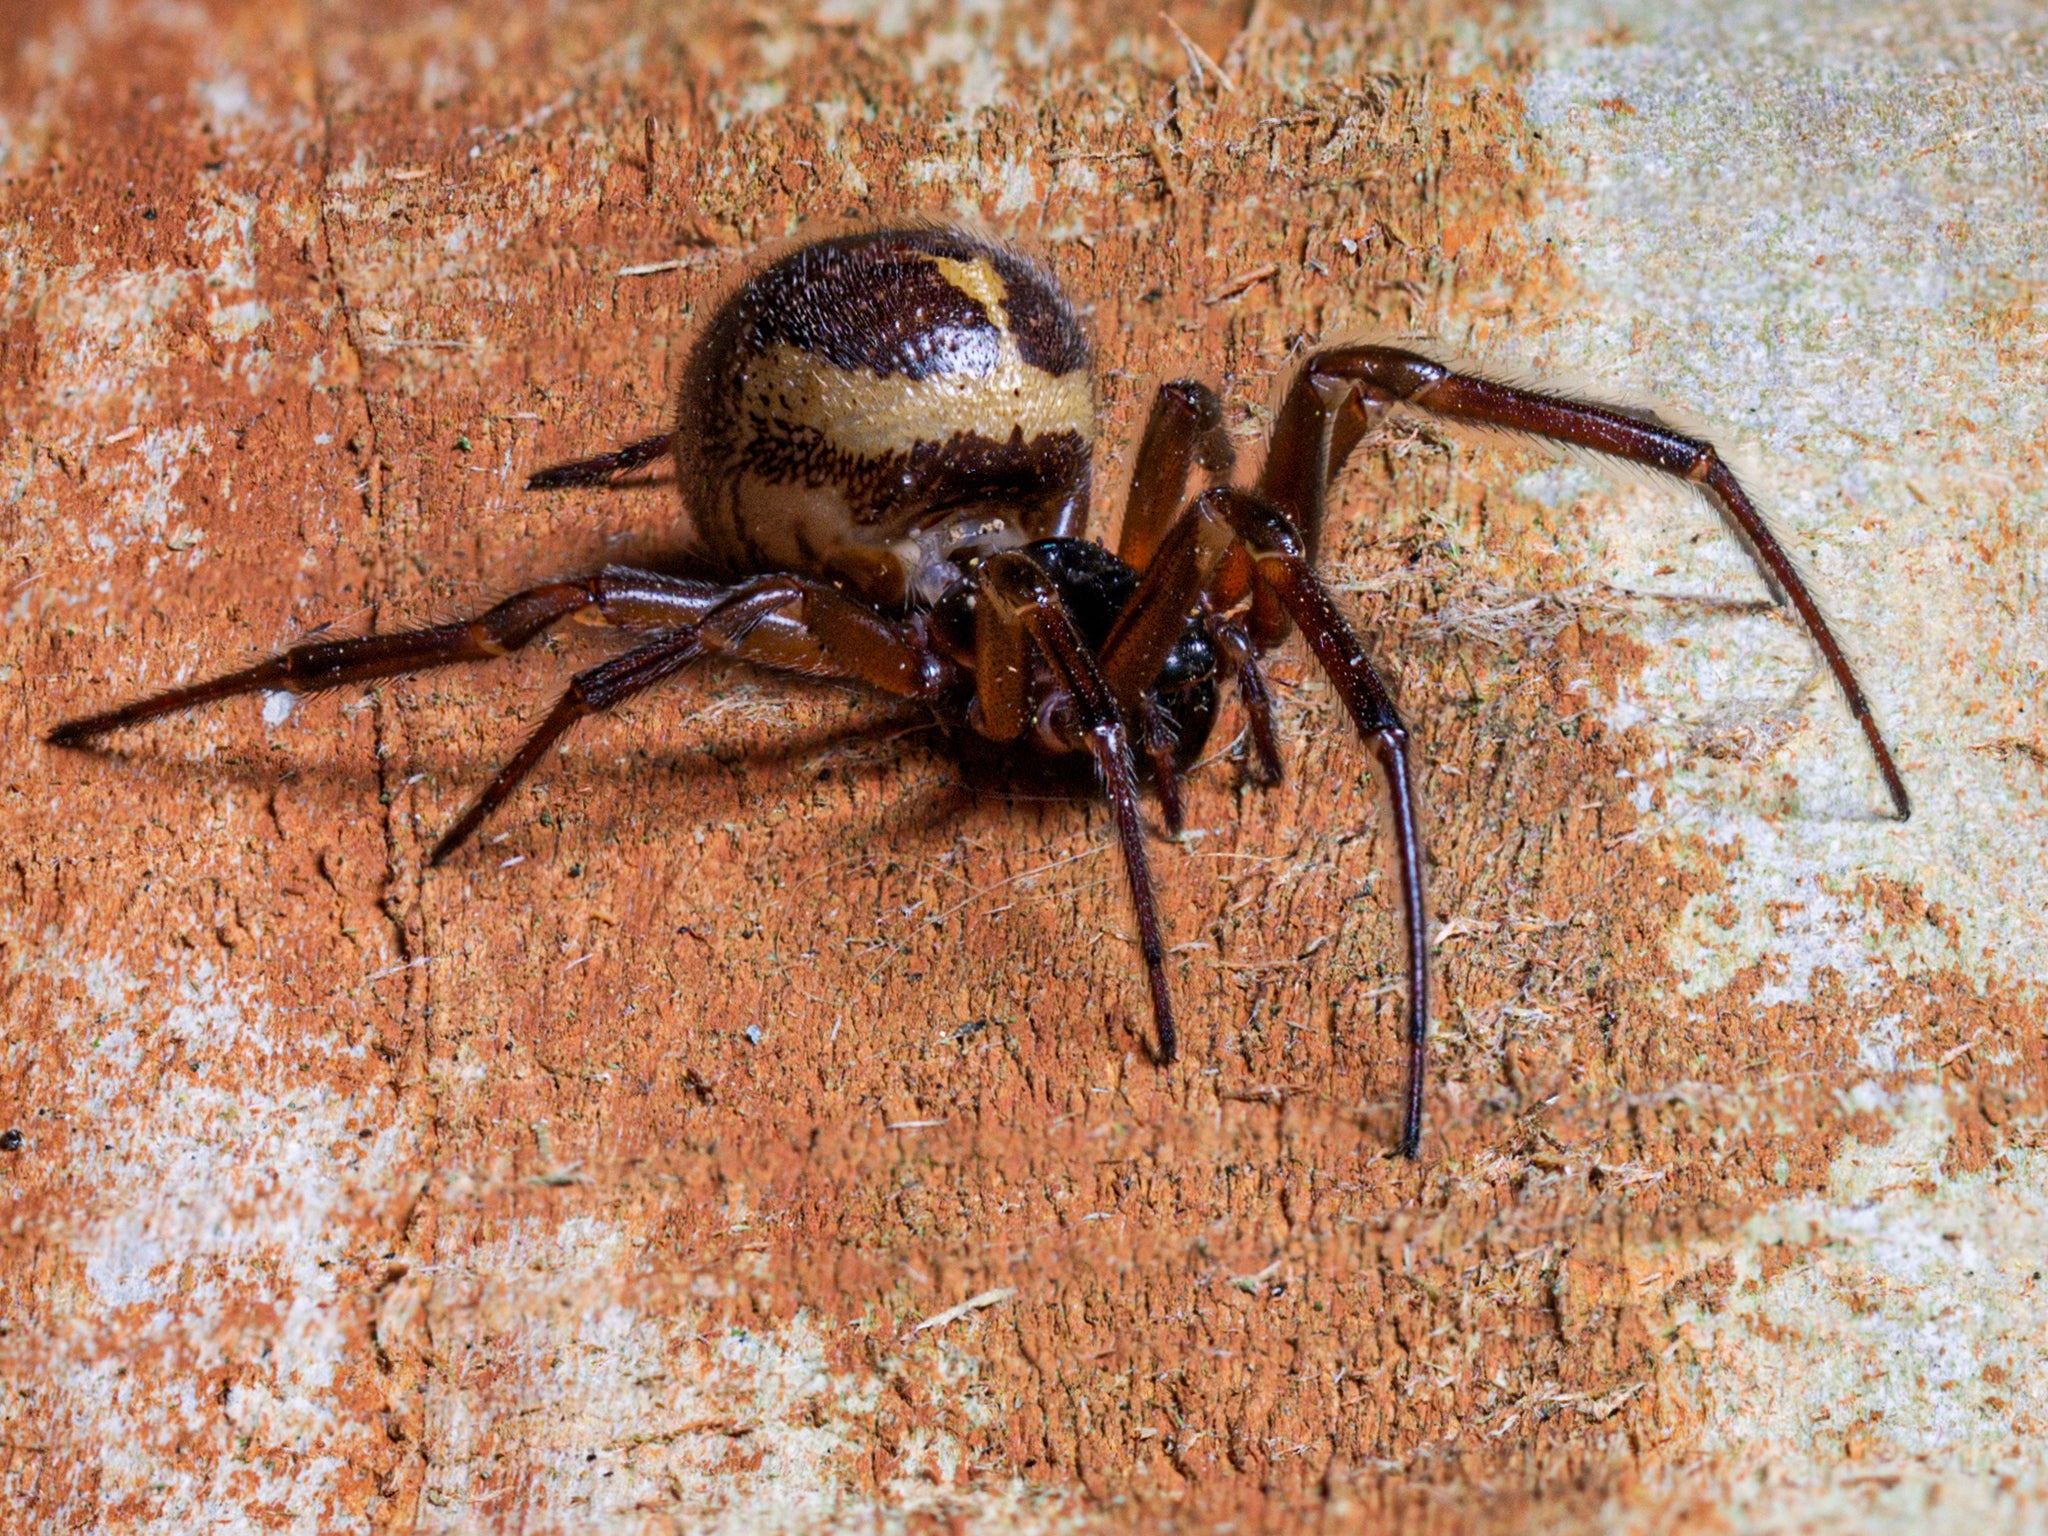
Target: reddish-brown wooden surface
column 601, row 1179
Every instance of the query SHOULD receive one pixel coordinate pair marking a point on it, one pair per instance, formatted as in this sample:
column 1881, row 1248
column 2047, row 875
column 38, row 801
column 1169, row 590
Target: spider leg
column 631, row 599
column 1243, row 658
column 1019, row 596
column 600, row 469
column 1195, row 570
column 1327, row 407
column 835, row 637
column 610, row 683
column 1280, row 559
column 1184, row 429
column 830, row 635
column 1155, row 734
column 1151, row 624
column 1156, row 614
column 1197, row 555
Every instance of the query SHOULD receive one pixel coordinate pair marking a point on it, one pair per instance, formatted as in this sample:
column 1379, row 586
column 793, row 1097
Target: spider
column 885, row 442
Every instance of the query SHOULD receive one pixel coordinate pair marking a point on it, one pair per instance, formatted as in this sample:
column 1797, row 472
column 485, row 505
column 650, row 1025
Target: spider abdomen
column 855, row 406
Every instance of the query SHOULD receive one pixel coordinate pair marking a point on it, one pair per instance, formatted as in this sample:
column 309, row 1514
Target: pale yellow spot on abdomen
column 981, row 282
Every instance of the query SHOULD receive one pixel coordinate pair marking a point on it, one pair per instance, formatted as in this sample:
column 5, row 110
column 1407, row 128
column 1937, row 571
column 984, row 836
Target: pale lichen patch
column 1815, row 321
column 624, row 1408
column 211, row 1190
column 1889, row 1332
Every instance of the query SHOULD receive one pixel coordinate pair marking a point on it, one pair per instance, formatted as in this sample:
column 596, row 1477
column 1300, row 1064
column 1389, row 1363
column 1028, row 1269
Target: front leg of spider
column 1322, row 419
column 1233, row 545
column 1280, row 556
column 1019, row 603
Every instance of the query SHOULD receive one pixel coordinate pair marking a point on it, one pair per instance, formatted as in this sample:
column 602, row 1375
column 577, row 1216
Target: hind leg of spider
column 1336, row 393
column 602, row 468
column 828, row 635
column 1020, row 602
column 626, row 598
column 1280, row 558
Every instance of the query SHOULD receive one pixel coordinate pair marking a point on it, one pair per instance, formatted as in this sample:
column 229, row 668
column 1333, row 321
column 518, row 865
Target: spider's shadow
column 262, row 765
column 872, row 749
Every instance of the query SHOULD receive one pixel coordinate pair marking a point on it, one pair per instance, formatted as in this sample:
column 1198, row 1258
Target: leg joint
column 1387, row 375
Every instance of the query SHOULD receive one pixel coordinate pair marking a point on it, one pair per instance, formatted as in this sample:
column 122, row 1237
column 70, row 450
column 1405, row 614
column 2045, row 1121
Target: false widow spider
column 885, row 441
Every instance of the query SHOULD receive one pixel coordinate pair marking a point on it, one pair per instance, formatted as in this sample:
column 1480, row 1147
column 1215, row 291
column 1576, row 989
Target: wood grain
column 607, row 1179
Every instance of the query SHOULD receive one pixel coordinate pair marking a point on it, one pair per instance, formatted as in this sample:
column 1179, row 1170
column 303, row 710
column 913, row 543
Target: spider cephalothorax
column 884, row 443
